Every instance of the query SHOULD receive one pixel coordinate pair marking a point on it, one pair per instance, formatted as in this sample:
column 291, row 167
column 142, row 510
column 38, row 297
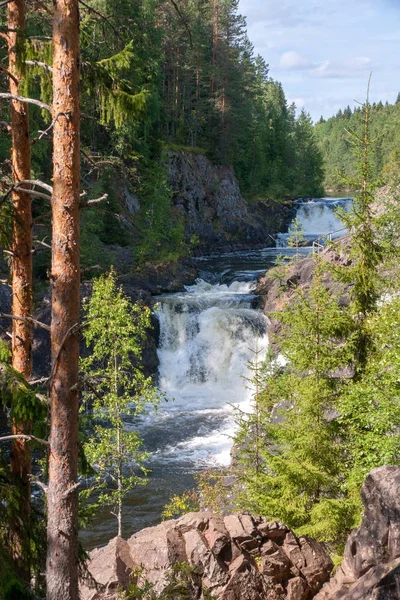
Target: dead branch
column 10, row 75
column 174, row 4
column 33, row 193
column 46, row 131
column 37, row 182
column 38, row 381
column 73, row 329
column 5, row 2
column 38, row 63
column 5, row 125
column 7, row 96
column 39, row 483
column 71, row 490
column 43, row 243
column 93, row 201
column 28, row 319
column 21, row 436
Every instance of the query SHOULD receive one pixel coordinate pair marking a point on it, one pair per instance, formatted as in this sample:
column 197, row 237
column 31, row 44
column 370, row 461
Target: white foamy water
column 208, row 337
column 317, row 218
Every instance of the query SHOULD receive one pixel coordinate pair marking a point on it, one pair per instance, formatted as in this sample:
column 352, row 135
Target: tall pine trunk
column 62, row 505
column 21, row 267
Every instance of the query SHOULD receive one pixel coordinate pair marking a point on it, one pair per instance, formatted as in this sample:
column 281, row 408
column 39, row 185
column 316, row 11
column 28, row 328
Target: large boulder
column 371, row 566
column 236, row 557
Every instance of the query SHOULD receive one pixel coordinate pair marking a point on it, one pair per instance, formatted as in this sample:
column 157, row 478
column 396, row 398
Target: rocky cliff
column 209, row 199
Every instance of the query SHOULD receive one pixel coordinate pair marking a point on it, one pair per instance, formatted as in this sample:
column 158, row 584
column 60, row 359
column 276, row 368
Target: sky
column 324, row 50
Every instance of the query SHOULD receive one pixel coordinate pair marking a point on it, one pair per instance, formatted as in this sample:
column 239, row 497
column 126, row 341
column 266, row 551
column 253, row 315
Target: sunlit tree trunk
column 62, row 527
column 21, row 261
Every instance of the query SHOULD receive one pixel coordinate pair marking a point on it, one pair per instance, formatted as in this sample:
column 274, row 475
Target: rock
column 209, row 199
column 236, row 557
column 317, row 563
column 156, row 549
column 112, row 567
column 297, row 589
column 275, row 564
column 274, row 530
column 370, row 568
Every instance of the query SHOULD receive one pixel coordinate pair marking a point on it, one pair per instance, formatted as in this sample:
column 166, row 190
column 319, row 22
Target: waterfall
column 208, row 336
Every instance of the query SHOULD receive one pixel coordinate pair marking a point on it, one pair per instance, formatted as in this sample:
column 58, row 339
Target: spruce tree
column 300, row 476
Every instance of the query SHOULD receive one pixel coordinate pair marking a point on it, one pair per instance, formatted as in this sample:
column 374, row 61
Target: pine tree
column 62, row 504
column 21, row 258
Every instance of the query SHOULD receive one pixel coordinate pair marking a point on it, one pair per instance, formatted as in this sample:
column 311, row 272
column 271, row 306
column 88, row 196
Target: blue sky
column 323, row 50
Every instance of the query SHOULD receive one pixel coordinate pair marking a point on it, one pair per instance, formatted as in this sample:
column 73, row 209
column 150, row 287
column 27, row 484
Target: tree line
column 337, row 150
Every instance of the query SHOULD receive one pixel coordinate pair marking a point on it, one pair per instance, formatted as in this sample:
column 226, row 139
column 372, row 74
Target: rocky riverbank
column 241, row 557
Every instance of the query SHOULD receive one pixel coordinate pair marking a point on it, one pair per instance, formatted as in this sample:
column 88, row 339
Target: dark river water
column 208, row 334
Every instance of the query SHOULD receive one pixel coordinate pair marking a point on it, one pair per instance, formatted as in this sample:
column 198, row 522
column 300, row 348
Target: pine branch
column 10, row 75
column 38, row 63
column 28, row 319
column 21, row 436
column 7, row 96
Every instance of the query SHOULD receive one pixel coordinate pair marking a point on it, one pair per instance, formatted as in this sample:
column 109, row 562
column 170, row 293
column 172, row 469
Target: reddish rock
column 221, row 552
column 297, row 589
column 370, row 569
column 274, row 562
column 110, row 568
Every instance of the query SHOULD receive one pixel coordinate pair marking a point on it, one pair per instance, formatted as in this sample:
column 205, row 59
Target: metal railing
column 318, row 244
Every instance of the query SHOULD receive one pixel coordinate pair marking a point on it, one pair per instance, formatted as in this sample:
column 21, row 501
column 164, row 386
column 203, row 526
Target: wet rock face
column 208, row 197
column 236, row 557
column 371, row 566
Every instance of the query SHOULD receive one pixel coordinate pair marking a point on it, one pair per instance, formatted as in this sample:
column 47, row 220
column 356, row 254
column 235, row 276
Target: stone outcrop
column 277, row 288
column 236, row 557
column 371, row 566
column 209, row 198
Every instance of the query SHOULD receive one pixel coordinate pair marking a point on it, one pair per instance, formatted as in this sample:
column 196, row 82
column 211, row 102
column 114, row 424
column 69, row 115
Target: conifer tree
column 21, row 256
column 62, row 504
column 365, row 252
column 301, row 476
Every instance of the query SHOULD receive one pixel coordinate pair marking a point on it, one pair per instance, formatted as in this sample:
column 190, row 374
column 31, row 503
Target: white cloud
column 338, row 70
column 294, row 60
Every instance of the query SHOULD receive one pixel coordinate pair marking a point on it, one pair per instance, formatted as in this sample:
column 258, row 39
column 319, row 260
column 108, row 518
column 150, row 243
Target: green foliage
column 336, row 147
column 292, row 469
column 296, row 236
column 161, row 229
column 183, row 583
column 116, row 388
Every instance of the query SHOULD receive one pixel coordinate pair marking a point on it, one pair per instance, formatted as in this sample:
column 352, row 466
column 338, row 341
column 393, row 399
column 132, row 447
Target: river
column 208, row 335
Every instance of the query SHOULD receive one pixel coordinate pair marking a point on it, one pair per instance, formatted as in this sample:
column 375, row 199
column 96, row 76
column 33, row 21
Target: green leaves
column 115, row 388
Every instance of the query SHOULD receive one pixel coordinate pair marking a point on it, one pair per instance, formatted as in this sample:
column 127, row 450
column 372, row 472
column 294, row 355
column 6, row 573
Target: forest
column 336, row 148
column 94, row 96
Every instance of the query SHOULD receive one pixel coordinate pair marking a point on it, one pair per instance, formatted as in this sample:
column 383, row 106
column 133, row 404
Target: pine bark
column 62, row 505
column 21, row 266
